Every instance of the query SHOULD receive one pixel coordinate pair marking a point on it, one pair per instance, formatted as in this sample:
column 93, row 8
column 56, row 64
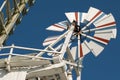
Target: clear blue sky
column 31, row 33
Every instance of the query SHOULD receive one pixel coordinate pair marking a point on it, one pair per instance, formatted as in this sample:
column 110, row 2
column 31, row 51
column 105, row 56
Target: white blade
column 49, row 40
column 85, row 48
column 106, row 34
column 83, row 17
column 102, row 18
column 93, row 14
column 114, row 33
column 97, row 39
column 60, row 26
column 72, row 16
column 77, row 16
column 80, row 51
column 99, row 30
column 95, row 47
column 107, row 21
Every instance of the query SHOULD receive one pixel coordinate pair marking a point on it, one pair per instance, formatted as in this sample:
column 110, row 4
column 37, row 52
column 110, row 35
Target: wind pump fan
column 85, row 33
column 93, row 30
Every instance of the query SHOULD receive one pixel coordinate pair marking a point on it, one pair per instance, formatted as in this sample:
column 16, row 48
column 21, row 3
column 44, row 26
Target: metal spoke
column 92, row 38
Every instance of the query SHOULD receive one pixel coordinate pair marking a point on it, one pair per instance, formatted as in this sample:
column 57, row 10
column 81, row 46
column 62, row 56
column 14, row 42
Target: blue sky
column 31, row 33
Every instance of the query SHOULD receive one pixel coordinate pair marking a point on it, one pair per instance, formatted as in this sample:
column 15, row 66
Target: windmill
column 85, row 33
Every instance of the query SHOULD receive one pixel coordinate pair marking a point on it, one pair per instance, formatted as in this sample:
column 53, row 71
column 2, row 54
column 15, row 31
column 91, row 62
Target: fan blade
column 94, row 14
column 95, row 47
column 97, row 39
column 99, row 30
column 106, row 34
column 72, row 16
column 60, row 26
column 77, row 16
column 85, row 48
column 83, row 17
column 49, row 40
column 102, row 18
column 82, row 48
column 114, row 32
column 107, row 21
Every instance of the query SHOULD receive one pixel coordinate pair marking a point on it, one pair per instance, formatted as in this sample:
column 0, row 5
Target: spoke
column 97, row 39
column 96, row 29
column 87, row 25
column 101, row 32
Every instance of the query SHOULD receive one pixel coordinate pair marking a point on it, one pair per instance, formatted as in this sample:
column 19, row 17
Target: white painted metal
column 77, row 16
column 104, row 35
column 83, row 17
column 85, row 49
column 52, row 44
column 71, row 16
column 55, row 49
column 95, row 47
column 60, row 26
column 66, row 42
column 109, row 18
column 31, row 49
column 92, row 15
column 79, row 45
column 92, row 38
